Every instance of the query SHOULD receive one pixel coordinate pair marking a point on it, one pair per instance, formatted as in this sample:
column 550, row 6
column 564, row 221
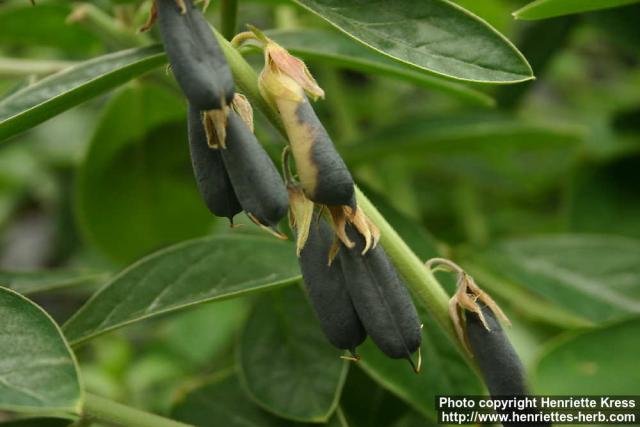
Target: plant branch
column 121, row 415
column 229, row 18
column 420, row 280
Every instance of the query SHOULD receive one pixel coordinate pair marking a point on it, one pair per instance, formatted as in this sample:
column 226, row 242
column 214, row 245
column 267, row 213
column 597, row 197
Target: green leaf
column 494, row 151
column 286, row 363
column 444, row 371
column 605, row 198
column 28, row 282
column 432, row 35
column 594, row 277
column 57, row 93
column 136, row 191
column 333, row 47
column 26, row 26
column 38, row 371
column 542, row 9
column 223, row 401
column 183, row 275
column 597, row 362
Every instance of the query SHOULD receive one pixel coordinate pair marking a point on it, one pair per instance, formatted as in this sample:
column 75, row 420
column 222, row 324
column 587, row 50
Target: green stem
column 121, row 415
column 420, row 280
column 229, row 16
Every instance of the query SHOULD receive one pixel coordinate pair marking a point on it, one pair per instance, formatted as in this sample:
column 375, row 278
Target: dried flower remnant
column 468, row 297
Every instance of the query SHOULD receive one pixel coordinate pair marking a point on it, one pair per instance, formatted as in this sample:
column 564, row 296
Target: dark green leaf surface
column 183, row 275
column 223, row 401
column 444, row 371
column 333, row 47
column 136, row 191
column 285, row 361
column 57, row 93
column 491, row 150
column 432, row 35
column 595, row 277
column 541, row 9
column 596, row 362
column 37, row 369
column 27, row 282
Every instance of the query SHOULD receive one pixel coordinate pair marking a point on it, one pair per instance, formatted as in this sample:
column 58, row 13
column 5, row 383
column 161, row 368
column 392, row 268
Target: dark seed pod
column 380, row 298
column 327, row 290
column 195, row 55
column 255, row 179
column 498, row 361
column 323, row 174
column 499, row 364
column 209, row 170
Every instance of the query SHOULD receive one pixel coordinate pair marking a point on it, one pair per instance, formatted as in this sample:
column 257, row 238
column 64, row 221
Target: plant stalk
column 420, row 280
column 121, row 415
column 229, row 18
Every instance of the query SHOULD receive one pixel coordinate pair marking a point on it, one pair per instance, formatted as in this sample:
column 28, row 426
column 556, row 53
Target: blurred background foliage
column 537, row 195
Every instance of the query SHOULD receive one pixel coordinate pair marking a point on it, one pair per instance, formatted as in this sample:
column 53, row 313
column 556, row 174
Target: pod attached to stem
column 209, row 170
column 254, row 177
column 195, row 56
column 285, row 82
column 381, row 299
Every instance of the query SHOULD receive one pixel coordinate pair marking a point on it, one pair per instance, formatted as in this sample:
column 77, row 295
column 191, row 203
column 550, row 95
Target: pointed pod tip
column 416, row 366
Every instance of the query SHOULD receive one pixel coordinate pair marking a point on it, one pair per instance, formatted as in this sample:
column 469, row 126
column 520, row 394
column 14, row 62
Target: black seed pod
column 255, row 179
column 327, row 290
column 498, row 361
column 381, row 299
column 323, row 174
column 499, row 364
column 209, row 170
column 195, row 55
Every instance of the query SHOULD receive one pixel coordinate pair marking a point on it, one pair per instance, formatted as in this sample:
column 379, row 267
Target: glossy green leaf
column 595, row 277
column 444, row 371
column 601, row 361
column 333, row 47
column 286, row 363
column 542, row 9
column 38, row 371
column 495, row 151
column 432, row 35
column 25, row 26
column 223, row 400
column 59, row 92
column 183, row 275
column 136, row 191
column 28, row 282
